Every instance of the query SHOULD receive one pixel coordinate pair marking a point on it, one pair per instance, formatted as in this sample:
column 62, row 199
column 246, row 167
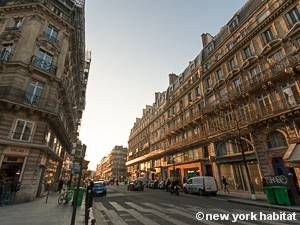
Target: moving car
column 201, row 185
column 99, row 188
column 136, row 185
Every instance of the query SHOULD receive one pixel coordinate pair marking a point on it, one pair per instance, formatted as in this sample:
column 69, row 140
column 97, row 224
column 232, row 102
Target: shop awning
column 293, row 153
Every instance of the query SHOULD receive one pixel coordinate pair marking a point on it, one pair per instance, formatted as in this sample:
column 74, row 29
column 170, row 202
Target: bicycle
column 65, row 197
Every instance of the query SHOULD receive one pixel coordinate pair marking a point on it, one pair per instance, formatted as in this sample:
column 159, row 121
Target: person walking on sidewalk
column 225, row 185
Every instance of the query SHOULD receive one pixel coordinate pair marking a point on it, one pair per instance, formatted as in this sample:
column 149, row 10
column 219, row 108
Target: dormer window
column 234, row 24
column 210, row 47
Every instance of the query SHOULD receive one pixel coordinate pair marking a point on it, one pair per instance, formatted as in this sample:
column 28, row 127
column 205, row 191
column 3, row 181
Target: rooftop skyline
column 135, row 45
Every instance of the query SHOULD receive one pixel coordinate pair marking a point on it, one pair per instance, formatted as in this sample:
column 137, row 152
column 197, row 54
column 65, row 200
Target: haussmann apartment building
column 43, row 76
column 112, row 166
column 239, row 95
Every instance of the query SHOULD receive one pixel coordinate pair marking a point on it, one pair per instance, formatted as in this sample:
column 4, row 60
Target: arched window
column 276, row 140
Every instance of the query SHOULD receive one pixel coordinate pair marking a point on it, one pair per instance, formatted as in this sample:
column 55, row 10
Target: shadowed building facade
column 43, row 76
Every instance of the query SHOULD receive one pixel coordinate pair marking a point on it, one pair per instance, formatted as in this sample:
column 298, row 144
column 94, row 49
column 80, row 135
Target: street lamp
column 252, row 190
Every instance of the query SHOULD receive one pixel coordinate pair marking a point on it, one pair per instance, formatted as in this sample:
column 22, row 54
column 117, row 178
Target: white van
column 201, row 185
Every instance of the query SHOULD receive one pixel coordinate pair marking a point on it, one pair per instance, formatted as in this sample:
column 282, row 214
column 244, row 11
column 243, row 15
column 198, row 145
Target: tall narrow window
column 254, row 74
column 248, row 52
column 5, row 52
column 51, row 33
column 267, row 36
column 231, row 64
column 44, row 60
column 34, row 92
column 293, row 16
column 264, row 102
column 291, row 94
column 22, row 130
column 219, row 74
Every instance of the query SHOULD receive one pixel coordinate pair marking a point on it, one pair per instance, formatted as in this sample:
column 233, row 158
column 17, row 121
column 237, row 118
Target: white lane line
column 99, row 216
column 111, row 214
column 117, row 206
column 180, row 212
column 156, row 213
column 138, row 216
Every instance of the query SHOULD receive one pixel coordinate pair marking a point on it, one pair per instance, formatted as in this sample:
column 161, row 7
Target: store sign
column 275, row 180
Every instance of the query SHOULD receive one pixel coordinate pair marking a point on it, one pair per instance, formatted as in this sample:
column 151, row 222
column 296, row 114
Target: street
column 153, row 207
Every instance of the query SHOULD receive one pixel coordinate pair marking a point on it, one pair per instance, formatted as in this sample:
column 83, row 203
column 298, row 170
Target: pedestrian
column 225, row 185
column 60, row 185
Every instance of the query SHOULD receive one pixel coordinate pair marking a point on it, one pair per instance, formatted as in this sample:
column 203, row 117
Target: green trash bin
column 282, row 196
column 271, row 198
column 80, row 195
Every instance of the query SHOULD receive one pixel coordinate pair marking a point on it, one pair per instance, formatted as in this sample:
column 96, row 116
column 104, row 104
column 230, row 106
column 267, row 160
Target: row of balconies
column 274, row 72
column 275, row 69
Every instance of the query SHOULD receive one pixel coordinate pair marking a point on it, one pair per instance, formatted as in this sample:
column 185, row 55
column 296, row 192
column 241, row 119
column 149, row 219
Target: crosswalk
column 149, row 213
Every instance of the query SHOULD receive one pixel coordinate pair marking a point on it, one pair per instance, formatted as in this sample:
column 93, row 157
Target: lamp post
column 252, row 190
column 78, row 158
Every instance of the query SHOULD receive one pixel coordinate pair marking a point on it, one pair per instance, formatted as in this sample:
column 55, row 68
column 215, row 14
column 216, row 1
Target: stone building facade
column 43, row 76
column 239, row 96
column 112, row 166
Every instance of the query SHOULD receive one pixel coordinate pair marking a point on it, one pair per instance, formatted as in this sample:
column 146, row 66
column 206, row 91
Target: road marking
column 134, row 213
column 180, row 212
column 156, row 213
column 117, row 206
column 111, row 214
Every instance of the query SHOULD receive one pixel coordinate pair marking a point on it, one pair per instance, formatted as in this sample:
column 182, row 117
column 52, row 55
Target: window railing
column 19, row 96
column 50, row 37
column 44, row 65
column 5, row 55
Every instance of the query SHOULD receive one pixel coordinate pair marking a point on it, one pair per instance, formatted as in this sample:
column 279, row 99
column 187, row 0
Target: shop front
column 236, row 176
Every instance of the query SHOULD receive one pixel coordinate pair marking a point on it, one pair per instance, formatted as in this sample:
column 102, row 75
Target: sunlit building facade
column 239, row 95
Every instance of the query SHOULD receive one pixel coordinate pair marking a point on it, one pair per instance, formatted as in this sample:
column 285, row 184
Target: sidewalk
column 261, row 201
column 39, row 213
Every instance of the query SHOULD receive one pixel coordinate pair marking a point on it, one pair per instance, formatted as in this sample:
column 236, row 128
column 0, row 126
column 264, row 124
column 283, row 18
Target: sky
column 135, row 44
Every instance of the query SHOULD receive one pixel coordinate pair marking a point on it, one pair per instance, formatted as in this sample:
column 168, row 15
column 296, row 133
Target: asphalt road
column 158, row 207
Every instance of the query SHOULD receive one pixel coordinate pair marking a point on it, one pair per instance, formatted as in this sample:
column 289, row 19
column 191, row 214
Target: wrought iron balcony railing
column 5, row 55
column 50, row 38
column 19, row 96
column 44, row 65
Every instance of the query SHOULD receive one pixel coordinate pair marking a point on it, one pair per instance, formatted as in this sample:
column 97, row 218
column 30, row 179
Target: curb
column 264, row 205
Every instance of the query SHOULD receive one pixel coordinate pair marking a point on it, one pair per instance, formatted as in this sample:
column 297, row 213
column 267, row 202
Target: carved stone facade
column 239, row 95
column 43, row 78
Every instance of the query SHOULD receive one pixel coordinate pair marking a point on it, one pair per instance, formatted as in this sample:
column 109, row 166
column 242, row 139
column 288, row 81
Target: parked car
column 136, row 185
column 201, row 185
column 99, row 188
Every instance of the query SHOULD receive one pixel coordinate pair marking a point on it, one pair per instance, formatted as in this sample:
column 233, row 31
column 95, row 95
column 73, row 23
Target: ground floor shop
column 26, row 173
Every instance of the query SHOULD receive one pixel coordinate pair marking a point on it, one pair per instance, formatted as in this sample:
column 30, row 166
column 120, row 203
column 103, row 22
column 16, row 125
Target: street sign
column 76, row 167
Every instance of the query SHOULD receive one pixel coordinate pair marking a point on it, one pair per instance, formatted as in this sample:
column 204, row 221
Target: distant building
column 240, row 94
column 112, row 166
